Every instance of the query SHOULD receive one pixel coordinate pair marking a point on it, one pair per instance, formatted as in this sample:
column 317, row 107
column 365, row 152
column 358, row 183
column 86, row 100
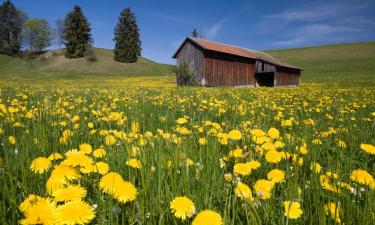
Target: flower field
column 105, row 154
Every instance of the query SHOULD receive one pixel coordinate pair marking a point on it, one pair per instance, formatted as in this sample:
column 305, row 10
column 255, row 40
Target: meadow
column 138, row 150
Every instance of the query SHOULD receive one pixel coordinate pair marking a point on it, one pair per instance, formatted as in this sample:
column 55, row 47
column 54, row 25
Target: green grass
column 56, row 66
column 39, row 99
column 345, row 113
column 333, row 65
column 343, row 64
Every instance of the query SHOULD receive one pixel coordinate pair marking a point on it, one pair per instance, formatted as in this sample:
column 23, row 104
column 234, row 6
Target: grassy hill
column 53, row 64
column 343, row 64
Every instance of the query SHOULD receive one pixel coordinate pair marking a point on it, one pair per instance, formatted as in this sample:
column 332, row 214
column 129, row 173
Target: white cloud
column 212, row 31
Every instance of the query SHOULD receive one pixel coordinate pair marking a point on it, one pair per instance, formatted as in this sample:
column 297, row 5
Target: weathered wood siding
column 227, row 70
column 262, row 67
column 194, row 57
column 287, row 77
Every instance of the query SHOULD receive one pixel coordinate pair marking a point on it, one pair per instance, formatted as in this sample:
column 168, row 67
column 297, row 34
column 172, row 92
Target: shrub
column 184, row 75
column 90, row 54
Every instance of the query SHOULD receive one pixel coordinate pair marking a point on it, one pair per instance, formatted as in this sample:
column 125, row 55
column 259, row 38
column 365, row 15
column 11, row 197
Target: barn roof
column 234, row 50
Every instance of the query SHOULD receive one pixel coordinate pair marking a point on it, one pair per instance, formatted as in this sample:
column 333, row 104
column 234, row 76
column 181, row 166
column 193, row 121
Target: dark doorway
column 265, row 79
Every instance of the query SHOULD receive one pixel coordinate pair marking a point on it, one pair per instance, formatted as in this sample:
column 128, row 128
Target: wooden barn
column 216, row 64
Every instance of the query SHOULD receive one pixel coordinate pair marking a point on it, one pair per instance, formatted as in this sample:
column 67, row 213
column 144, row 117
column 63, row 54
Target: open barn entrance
column 265, row 79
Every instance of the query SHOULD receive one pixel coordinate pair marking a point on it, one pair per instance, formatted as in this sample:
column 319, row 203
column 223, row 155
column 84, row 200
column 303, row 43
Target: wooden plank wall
column 287, row 76
column 228, row 71
column 194, row 58
column 264, row 67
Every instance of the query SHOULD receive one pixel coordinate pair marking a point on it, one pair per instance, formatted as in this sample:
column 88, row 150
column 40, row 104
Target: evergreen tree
column 195, row 34
column 10, row 29
column 128, row 43
column 77, row 36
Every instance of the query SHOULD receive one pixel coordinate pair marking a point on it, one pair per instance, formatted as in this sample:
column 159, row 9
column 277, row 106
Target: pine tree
column 10, row 29
column 195, row 34
column 76, row 33
column 128, row 43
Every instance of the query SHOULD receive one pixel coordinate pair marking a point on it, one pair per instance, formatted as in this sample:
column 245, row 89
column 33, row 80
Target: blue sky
column 266, row 24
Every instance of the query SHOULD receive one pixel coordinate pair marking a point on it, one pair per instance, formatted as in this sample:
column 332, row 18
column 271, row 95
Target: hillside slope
column 343, row 64
column 53, row 64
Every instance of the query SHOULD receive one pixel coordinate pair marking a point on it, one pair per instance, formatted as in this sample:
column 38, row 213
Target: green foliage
column 76, row 33
column 90, row 54
column 128, row 43
column 195, row 34
column 184, row 75
column 10, row 29
column 36, row 34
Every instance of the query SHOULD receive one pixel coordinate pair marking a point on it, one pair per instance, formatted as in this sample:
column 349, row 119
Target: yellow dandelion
column 241, row 169
column 38, row 210
column 54, row 183
column 182, row 207
column 102, row 167
column 110, row 140
column 135, row 163
column 125, row 192
column 202, row 141
column 316, row 167
column 276, row 176
column 273, row 133
column 12, row 140
column 235, row 134
column 85, row 148
column 76, row 158
column 65, row 171
column 341, row 144
column 245, row 169
column 40, row 165
column 181, row 120
column 113, row 184
column 99, row 153
column 333, row 211
column 29, row 202
column 368, row 148
column 55, row 156
column 363, row 177
column 263, row 188
column 88, row 168
column 273, row 156
column 74, row 212
column 292, row 210
column 243, row 191
column 69, row 193
column 207, row 217
column 236, row 153
column 110, row 182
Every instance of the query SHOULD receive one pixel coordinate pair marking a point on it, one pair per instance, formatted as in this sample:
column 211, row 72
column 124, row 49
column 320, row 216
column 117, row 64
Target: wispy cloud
column 212, row 31
column 314, row 33
column 314, row 23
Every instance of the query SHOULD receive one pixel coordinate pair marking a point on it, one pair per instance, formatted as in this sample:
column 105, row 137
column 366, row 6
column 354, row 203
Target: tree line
column 19, row 33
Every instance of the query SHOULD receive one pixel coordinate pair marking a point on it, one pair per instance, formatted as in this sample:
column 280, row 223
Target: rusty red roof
column 234, row 50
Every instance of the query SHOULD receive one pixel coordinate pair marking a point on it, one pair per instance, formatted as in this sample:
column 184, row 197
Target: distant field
column 335, row 65
column 343, row 65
